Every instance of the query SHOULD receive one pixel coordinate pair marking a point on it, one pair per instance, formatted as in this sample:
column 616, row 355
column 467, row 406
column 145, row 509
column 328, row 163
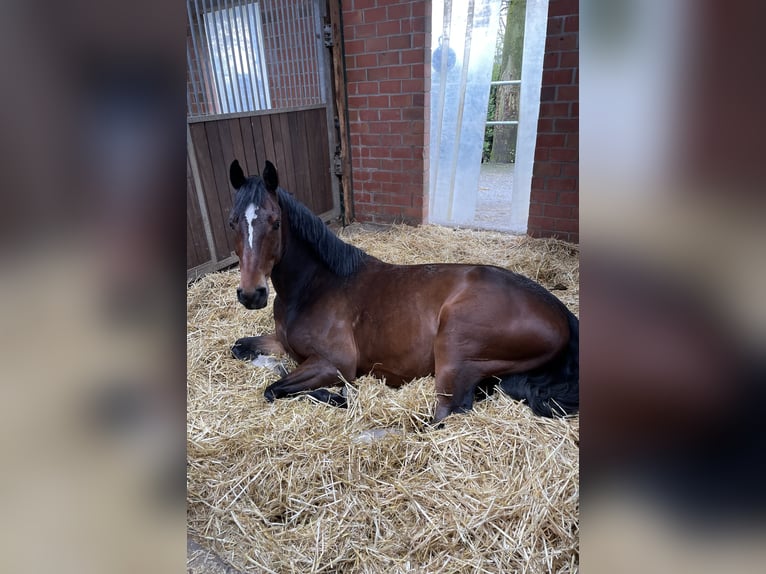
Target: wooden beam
column 339, row 89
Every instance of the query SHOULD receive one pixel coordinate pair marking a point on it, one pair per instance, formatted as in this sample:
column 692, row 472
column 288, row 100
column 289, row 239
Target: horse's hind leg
column 455, row 386
column 248, row 348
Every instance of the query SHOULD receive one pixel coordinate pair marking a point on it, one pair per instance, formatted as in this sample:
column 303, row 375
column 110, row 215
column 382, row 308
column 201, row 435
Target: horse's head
column 256, row 219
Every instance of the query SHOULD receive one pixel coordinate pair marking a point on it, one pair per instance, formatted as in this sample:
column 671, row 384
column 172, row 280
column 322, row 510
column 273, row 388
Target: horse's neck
column 297, row 270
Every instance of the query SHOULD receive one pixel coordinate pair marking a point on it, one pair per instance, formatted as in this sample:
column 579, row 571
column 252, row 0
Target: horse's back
column 489, row 312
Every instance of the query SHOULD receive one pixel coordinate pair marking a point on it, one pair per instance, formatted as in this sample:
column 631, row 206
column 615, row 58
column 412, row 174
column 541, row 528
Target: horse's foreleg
column 313, row 373
column 248, row 348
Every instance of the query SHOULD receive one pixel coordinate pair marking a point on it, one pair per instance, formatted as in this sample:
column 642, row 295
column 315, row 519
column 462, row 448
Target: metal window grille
column 250, row 56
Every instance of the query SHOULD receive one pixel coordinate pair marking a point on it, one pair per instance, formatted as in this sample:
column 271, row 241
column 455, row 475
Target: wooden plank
column 279, row 160
column 238, row 146
column 250, row 159
column 302, row 158
column 202, row 229
column 201, row 145
column 267, row 139
column 220, row 189
column 339, row 83
column 197, row 250
column 260, row 146
column 287, row 137
column 322, row 178
column 217, row 117
column 209, row 267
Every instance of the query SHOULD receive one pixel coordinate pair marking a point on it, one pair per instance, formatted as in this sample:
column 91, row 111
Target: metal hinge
column 337, row 164
column 328, row 36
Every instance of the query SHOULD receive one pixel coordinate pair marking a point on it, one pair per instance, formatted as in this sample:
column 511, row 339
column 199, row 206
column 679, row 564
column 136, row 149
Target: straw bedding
column 297, row 486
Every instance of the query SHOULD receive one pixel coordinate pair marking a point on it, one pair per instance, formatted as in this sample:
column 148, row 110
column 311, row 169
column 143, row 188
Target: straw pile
column 296, row 486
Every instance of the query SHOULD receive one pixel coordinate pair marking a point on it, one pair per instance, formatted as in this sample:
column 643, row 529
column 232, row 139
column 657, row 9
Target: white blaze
column 250, row 216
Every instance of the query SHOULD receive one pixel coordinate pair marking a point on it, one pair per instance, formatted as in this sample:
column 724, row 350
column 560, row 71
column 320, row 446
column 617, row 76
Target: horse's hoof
column 269, row 395
column 239, row 351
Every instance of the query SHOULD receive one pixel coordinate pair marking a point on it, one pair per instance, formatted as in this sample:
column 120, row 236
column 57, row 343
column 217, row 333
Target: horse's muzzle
column 253, row 299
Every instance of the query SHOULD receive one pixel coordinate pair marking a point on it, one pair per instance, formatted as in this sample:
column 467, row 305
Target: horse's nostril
column 260, row 291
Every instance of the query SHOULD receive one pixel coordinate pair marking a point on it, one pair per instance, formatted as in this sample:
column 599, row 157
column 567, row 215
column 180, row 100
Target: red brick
column 414, row 56
column 352, row 17
column 559, row 211
column 564, row 154
column 374, row 15
column 368, row 115
column 547, row 93
column 401, row 100
column 388, row 59
column 566, row 225
column 402, row 152
column 568, row 93
column 382, row 176
column 570, row 170
column 366, row 88
column 376, row 74
column 535, row 209
column 572, row 23
column 541, row 154
column 541, row 196
column 390, row 114
column 353, row 47
column 399, row 42
column 561, row 43
column 538, row 222
column 561, row 183
column 570, row 59
column 550, row 140
column 555, row 25
column 566, row 125
column 388, row 28
column 418, row 71
column 573, row 140
column 554, row 110
column 544, row 125
column 364, row 31
column 366, row 60
column 416, row 85
column 552, row 77
column 377, row 44
column 398, row 12
column 378, row 101
column 357, row 101
column 551, row 60
column 355, row 75
column 400, row 72
column 390, row 87
column 361, row 5
column 563, row 7
column 380, row 127
column 547, row 168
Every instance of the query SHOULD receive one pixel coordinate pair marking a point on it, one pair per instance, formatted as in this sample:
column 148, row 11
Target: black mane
column 341, row 258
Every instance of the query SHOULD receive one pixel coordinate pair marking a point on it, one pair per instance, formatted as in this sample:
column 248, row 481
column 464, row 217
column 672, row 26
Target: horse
column 342, row 313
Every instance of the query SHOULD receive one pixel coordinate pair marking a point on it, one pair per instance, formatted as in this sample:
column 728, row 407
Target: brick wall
column 388, row 80
column 553, row 209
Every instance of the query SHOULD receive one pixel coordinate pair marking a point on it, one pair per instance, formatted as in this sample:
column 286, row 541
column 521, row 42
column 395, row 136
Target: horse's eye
column 275, row 226
column 232, row 224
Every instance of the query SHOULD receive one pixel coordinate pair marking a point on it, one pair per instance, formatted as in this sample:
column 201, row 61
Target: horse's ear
column 236, row 175
column 270, row 177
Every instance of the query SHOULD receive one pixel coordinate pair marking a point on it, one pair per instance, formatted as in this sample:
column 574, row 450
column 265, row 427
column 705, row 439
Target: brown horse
column 340, row 311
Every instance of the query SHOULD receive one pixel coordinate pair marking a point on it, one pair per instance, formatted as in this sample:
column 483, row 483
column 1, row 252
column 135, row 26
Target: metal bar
column 208, row 84
column 276, row 34
column 444, row 44
column 301, row 21
column 197, row 91
column 189, row 111
column 223, row 45
column 505, row 83
column 244, row 37
column 296, row 49
column 289, row 61
column 264, row 72
column 235, row 42
column 318, row 47
column 461, row 104
column 263, row 112
column 502, row 123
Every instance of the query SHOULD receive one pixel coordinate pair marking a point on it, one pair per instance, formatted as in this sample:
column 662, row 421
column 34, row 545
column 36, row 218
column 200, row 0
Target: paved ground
column 493, row 206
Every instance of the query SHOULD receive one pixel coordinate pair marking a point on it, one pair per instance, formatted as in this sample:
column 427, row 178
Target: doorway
column 487, row 61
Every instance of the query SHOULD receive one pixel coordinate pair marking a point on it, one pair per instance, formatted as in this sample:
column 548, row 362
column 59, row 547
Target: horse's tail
column 553, row 389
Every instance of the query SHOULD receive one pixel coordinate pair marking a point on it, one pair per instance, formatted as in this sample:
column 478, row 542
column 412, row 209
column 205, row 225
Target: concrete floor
column 493, row 204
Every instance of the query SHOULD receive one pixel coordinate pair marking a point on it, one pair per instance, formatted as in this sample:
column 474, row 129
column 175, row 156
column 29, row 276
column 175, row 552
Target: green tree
column 507, row 97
